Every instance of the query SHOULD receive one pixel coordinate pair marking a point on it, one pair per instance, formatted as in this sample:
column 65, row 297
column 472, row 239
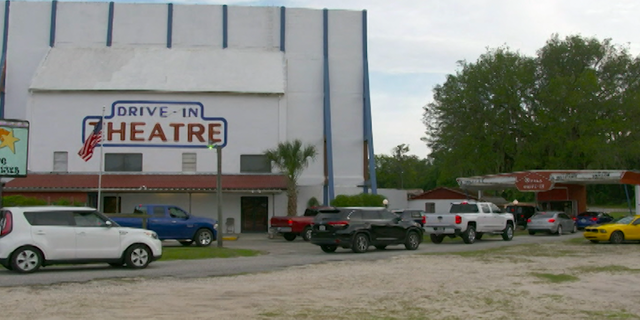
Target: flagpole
column 101, row 159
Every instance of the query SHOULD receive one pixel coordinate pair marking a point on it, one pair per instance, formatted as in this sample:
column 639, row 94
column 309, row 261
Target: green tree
column 291, row 158
column 358, row 200
column 403, row 171
column 572, row 106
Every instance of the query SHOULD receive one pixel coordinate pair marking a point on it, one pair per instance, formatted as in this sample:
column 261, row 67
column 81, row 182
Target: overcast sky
column 414, row 44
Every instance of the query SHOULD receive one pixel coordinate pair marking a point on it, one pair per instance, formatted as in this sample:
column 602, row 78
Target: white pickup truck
column 469, row 220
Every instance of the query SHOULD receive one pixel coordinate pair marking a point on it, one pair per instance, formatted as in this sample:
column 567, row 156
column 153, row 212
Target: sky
column 415, row 44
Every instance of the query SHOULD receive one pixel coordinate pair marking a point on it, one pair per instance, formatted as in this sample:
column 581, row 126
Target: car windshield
column 625, row 220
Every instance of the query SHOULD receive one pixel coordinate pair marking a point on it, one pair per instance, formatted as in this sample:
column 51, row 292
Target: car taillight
column 528, row 220
column 290, row 222
column 552, row 220
column 7, row 224
column 458, row 219
column 574, row 218
column 594, row 219
column 338, row 223
column 424, row 219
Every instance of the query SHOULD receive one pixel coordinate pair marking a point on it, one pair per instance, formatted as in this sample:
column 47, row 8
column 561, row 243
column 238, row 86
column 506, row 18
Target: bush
column 21, row 201
column 359, row 200
column 313, row 202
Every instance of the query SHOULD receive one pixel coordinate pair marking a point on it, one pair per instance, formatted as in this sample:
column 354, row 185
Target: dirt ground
column 595, row 282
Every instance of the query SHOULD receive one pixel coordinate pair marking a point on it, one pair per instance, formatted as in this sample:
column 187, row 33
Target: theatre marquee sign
column 163, row 124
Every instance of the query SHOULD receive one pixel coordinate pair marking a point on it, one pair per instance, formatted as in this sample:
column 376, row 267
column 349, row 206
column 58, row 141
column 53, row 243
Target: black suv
column 358, row 228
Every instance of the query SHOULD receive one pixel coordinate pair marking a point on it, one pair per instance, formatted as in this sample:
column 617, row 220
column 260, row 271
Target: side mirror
column 108, row 224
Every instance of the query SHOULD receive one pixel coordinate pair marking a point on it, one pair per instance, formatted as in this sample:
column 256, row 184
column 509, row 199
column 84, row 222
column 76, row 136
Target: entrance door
column 254, row 213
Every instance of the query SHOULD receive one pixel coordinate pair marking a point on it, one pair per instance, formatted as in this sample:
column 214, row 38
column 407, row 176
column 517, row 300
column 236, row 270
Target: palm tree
column 292, row 158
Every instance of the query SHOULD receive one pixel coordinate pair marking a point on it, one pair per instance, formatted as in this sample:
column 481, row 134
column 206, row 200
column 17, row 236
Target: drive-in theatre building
column 173, row 79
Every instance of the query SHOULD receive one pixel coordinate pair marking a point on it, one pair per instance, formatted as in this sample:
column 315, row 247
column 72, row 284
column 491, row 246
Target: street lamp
column 385, row 203
column 218, row 148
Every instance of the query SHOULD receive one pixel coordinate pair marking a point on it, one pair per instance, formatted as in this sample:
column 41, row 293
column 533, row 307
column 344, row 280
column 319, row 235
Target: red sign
column 533, row 181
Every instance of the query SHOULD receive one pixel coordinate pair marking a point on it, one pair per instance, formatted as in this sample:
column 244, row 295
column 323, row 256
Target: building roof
column 145, row 182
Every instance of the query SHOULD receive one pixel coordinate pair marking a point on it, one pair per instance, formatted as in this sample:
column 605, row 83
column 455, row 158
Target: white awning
column 161, row 69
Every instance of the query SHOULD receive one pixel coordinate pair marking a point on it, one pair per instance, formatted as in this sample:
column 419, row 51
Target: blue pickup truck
column 172, row 223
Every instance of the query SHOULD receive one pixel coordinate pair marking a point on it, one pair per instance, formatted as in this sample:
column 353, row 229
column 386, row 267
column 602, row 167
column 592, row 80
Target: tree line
column 574, row 105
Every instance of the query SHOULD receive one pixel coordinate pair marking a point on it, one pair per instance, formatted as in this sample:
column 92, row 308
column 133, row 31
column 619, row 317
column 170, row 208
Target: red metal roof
column 53, row 182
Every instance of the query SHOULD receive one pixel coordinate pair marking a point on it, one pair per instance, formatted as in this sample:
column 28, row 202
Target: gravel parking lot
column 564, row 280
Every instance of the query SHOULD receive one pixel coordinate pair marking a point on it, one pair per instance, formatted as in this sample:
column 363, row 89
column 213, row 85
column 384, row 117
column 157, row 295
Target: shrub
column 358, row 200
column 313, row 202
column 22, row 201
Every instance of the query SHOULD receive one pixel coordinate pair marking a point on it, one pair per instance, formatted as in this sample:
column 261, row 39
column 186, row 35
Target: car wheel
column 360, row 243
column 575, row 229
column 469, row 236
column 186, row 243
column 381, row 247
column 616, row 237
column 507, row 234
column 329, row 249
column 306, row 234
column 594, row 241
column 559, row 231
column 531, row 232
column 289, row 236
column 436, row 238
column 137, row 256
column 26, row 260
column 203, row 238
column 413, row 241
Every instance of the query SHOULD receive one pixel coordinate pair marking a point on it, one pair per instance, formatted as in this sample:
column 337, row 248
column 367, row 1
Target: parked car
column 590, row 218
column 626, row 228
column 291, row 227
column 172, row 223
column 419, row 216
column 33, row 237
column 469, row 220
column 555, row 222
column 360, row 227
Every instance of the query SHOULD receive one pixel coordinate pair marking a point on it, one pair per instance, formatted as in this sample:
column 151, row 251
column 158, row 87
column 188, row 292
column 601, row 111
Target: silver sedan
column 555, row 222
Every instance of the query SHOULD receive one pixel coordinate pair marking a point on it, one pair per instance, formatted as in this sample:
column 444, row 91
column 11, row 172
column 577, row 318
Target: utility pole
column 219, row 194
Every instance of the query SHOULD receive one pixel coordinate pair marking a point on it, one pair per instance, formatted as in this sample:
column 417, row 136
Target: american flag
column 86, row 152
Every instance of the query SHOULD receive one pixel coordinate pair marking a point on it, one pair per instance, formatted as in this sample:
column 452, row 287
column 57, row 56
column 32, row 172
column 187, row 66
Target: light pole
column 218, row 190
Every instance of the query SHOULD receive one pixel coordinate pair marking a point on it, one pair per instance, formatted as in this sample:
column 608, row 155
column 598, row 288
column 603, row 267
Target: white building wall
column 197, row 26
column 136, row 24
column 28, row 42
column 254, row 27
column 82, row 24
column 441, row 205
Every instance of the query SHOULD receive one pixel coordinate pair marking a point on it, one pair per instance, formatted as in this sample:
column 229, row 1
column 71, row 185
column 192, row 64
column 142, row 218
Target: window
column 112, row 204
column 189, row 162
column 177, row 213
column 50, row 218
column 88, row 219
column 370, row 215
column 123, row 162
column 257, row 163
column 60, row 161
column 430, row 207
column 485, row 208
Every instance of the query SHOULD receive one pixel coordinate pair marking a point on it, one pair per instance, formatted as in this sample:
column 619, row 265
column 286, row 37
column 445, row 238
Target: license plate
column 322, row 228
column 583, row 220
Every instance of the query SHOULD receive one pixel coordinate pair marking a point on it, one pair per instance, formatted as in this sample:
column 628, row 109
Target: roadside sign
column 14, row 147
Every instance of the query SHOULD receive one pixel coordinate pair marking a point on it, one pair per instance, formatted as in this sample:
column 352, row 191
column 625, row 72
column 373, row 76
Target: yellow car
column 627, row 228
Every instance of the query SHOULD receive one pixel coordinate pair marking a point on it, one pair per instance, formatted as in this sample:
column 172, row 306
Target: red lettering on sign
column 195, row 130
column 111, row 131
column 135, row 131
column 176, row 130
column 157, row 132
column 213, row 132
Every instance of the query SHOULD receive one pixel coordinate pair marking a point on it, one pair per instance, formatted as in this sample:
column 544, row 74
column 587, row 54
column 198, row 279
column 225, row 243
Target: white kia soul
column 31, row 237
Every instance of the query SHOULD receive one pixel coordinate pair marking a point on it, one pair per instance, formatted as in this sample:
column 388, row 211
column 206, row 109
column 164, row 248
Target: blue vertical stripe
column 3, row 62
column 329, row 193
column 169, row 24
column 52, row 29
column 110, row 24
column 368, row 130
column 225, row 27
column 283, row 26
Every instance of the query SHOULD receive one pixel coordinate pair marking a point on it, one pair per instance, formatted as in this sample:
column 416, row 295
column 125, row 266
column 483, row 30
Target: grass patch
column 580, row 240
column 555, row 278
column 185, row 253
column 622, row 314
column 611, row 268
